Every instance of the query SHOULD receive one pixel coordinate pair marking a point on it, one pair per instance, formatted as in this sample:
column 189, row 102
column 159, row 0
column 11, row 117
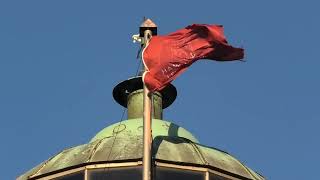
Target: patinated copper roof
column 171, row 144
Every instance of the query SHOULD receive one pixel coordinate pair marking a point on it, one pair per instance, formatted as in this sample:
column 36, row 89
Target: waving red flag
column 166, row 57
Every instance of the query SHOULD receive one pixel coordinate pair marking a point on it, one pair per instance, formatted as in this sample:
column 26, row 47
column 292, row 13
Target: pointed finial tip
column 148, row 23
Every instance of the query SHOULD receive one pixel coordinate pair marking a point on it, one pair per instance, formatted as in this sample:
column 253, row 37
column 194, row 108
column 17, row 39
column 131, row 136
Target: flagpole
column 147, row 136
column 146, row 30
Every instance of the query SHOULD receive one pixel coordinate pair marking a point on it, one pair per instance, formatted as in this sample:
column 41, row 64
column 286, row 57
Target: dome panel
column 223, row 160
column 175, row 149
column 122, row 149
column 135, row 127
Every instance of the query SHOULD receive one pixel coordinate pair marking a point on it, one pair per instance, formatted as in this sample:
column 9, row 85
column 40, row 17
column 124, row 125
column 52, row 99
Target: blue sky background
column 59, row 61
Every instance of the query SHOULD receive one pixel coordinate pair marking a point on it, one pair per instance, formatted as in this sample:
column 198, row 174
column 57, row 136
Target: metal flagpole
column 147, row 29
column 147, row 136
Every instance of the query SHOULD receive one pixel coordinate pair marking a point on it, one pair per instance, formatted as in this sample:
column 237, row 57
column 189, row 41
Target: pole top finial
column 148, row 24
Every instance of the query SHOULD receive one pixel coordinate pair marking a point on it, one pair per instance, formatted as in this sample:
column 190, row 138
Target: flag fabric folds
column 166, row 57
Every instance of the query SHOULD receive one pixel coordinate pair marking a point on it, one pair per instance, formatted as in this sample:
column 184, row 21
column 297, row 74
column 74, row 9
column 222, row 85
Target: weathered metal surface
column 157, row 106
column 135, row 105
column 31, row 172
column 171, row 143
column 69, row 157
column 134, row 127
column 223, row 160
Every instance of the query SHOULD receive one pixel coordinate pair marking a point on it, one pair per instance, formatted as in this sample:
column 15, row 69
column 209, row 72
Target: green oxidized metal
column 122, row 141
column 135, row 105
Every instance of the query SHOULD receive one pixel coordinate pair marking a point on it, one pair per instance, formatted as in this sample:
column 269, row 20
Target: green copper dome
column 123, row 142
column 135, row 127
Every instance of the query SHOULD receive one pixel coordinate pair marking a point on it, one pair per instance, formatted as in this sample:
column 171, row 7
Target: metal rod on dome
column 146, row 30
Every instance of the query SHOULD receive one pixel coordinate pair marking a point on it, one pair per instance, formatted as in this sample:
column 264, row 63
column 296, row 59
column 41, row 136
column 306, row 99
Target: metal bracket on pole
column 137, row 38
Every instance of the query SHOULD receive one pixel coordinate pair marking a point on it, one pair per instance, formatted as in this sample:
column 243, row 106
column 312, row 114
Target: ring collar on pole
column 123, row 89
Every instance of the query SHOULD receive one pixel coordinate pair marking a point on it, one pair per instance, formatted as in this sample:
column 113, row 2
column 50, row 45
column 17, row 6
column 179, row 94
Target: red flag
column 166, row 57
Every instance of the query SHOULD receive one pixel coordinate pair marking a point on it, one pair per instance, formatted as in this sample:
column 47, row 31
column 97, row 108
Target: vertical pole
column 147, row 118
column 86, row 174
column 207, row 175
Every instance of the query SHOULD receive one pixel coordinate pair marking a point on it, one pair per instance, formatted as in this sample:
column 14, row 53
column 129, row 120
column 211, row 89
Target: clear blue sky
column 59, row 61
